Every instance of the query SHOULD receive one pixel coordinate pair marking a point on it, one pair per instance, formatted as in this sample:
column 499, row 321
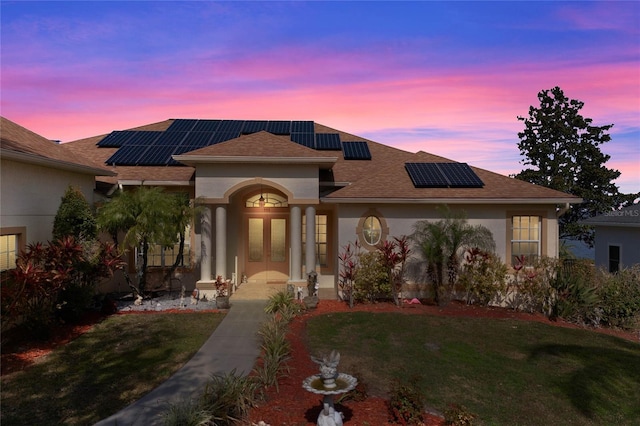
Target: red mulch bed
column 292, row 405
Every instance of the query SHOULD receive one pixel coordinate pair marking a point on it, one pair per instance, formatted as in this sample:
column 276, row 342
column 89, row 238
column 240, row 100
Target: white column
column 310, row 245
column 205, row 244
column 221, row 241
column 295, row 220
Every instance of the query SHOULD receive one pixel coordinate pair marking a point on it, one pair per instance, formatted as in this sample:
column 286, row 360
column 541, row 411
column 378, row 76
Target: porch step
column 256, row 291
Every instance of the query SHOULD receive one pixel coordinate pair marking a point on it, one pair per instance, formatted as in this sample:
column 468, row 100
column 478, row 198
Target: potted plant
column 222, row 293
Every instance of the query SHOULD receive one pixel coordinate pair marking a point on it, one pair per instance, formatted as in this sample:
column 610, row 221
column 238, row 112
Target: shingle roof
column 381, row 178
column 30, row 146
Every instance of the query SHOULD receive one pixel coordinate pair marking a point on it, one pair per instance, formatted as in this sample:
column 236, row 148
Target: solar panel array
column 443, row 175
column 356, row 151
column 184, row 135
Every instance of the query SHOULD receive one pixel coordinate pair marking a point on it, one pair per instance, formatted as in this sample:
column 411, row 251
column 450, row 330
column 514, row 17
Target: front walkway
column 233, row 345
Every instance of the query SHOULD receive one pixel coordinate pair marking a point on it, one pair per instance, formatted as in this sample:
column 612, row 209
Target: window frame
column 542, row 231
column 20, row 233
column 327, row 244
column 384, row 229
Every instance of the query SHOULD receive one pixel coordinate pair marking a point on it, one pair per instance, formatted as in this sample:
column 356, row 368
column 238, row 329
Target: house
column 284, row 197
column 617, row 238
column 34, row 175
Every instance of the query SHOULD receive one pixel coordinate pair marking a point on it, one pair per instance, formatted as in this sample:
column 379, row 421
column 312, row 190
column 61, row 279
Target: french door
column 267, row 245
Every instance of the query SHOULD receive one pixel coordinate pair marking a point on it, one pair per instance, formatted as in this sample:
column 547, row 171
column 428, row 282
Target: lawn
column 104, row 370
column 507, row 372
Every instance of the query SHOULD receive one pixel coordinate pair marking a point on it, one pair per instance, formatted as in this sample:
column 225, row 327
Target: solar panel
column 304, row 139
column 460, row 175
column 302, row 127
column 156, row 156
column 128, row 155
column 171, row 138
column 328, row 141
column 197, row 139
column 223, row 137
column 143, row 138
column 206, row 126
column 279, row 127
column 181, row 125
column 356, row 151
column 230, row 126
column 426, row 175
column 253, row 126
column 116, row 139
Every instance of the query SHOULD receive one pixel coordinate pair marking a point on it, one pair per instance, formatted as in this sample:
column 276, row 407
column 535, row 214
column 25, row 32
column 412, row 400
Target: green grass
column 104, row 370
column 507, row 372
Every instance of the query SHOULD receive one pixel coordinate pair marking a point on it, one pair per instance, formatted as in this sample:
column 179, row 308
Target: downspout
column 562, row 210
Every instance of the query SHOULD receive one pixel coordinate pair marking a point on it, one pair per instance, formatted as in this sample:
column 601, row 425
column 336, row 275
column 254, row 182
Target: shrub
column 279, row 301
column 229, row 398
column 371, row 278
column 620, row 296
column 575, row 296
column 532, row 289
column 406, row 403
column 483, row 277
column 458, row 415
column 276, row 351
column 186, row 413
column 74, row 217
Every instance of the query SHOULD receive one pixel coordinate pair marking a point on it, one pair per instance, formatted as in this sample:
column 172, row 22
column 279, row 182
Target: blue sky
column 443, row 77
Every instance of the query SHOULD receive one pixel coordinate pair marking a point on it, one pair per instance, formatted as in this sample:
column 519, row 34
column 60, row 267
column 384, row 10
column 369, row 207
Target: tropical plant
column 348, row 260
column 35, row 290
column 149, row 217
column 575, row 297
column 441, row 245
column 394, row 254
column 620, row 297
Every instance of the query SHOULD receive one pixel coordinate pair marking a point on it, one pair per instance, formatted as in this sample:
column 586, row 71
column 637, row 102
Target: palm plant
column 441, row 245
column 148, row 217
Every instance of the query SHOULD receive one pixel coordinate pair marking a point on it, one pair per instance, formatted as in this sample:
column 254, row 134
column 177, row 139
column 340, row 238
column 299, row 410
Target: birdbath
column 328, row 384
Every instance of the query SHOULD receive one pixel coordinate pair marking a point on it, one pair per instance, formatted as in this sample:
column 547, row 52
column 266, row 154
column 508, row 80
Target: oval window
column 372, row 230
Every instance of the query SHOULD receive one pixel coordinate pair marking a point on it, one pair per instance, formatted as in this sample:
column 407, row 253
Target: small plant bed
column 458, row 375
column 110, row 365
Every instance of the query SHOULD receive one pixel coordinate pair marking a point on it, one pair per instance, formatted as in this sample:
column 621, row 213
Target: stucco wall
column 627, row 238
column 31, row 196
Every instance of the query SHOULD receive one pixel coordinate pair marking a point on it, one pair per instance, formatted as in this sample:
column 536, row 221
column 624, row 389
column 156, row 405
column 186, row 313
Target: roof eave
column 39, row 160
column 534, row 201
column 138, row 182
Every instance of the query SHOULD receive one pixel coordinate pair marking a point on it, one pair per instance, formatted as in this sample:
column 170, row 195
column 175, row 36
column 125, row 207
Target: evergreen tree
column 74, row 217
column 563, row 148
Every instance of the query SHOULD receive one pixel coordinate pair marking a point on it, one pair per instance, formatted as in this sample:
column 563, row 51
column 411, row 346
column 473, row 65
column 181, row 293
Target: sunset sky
column 449, row 78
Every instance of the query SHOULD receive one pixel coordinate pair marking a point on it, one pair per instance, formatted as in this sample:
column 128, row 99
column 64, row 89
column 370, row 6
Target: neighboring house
column 34, row 175
column 284, row 197
column 617, row 238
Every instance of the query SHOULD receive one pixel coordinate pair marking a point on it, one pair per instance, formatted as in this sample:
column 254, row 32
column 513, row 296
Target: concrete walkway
column 233, row 345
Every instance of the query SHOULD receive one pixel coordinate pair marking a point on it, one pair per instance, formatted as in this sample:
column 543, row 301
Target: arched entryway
column 266, row 237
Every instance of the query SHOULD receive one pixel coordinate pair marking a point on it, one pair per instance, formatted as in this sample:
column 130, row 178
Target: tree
column 148, row 216
column 74, row 217
column 441, row 245
column 563, row 148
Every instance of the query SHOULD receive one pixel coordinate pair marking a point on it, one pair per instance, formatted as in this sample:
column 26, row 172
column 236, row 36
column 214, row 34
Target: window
column 165, row 257
column 8, row 251
column 321, row 238
column 525, row 237
column 372, row 230
column 614, row 259
column 267, row 199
